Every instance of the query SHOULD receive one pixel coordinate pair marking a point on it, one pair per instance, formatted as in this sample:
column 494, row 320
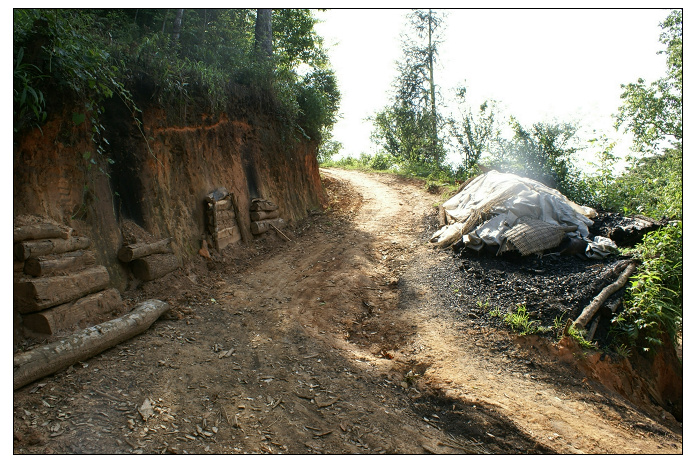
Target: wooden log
column 39, row 231
column 66, row 316
column 228, row 236
column 18, row 268
column 50, row 358
column 441, row 216
column 41, row 293
column 224, row 215
column 225, row 232
column 155, row 266
column 52, row 264
column 263, row 215
column 27, row 249
column 262, row 226
column 225, row 219
column 597, row 302
column 224, row 205
column 135, row 251
column 262, row 205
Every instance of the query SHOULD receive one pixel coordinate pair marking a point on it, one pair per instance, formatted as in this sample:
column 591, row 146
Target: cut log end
column 41, row 293
column 135, row 251
column 78, row 313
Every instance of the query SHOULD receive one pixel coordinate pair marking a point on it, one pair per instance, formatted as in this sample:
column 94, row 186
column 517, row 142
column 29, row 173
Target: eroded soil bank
column 342, row 340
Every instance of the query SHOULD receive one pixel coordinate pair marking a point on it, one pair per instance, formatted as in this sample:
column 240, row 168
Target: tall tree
column 177, row 24
column 652, row 113
column 263, row 34
column 408, row 129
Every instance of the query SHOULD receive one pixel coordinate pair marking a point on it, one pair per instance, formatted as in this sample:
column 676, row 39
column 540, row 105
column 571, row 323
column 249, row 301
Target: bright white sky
column 539, row 64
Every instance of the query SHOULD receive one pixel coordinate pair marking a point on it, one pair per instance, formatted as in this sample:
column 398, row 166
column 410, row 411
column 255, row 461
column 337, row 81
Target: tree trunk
column 155, row 266
column 27, row 249
column 50, row 358
column 205, row 24
column 431, row 69
column 136, row 251
column 164, row 21
column 263, row 34
column 177, row 24
column 52, row 264
column 66, row 316
column 40, row 231
column 42, row 293
column 263, row 215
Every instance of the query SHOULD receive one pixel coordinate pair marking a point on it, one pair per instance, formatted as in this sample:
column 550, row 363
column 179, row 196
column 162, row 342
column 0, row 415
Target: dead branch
column 280, row 232
column 597, row 302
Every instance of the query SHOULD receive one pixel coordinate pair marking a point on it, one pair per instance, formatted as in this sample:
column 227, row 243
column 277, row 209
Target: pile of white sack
column 517, row 213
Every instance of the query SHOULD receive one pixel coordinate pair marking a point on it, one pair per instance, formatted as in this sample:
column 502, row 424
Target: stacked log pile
column 221, row 220
column 58, row 284
column 264, row 216
column 150, row 261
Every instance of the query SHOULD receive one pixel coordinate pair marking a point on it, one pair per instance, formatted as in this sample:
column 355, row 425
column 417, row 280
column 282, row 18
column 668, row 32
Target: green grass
column 519, row 321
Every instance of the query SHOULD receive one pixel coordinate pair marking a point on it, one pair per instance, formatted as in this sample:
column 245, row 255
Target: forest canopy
column 183, row 57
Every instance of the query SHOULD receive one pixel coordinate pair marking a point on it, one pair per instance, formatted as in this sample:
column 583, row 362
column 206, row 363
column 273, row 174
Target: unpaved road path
column 334, row 342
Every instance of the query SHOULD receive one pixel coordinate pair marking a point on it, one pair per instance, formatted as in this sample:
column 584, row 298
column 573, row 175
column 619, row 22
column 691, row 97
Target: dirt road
column 334, row 342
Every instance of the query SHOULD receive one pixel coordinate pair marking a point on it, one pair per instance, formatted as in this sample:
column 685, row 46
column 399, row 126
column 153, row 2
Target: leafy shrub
column 654, row 303
column 382, row 161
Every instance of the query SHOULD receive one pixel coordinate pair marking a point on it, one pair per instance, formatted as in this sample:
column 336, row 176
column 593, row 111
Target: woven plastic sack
column 531, row 236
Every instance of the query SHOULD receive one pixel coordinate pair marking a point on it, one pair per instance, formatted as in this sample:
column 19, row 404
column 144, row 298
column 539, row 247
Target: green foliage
column 363, row 162
column 473, row 132
column 408, row 129
column 318, row 100
column 654, row 302
column 652, row 183
column 651, row 186
column 543, row 152
column 328, row 148
column 519, row 321
column 598, row 189
column 66, row 48
column 579, row 336
column 382, row 161
column 652, row 113
column 95, row 54
column 29, row 103
column 559, row 325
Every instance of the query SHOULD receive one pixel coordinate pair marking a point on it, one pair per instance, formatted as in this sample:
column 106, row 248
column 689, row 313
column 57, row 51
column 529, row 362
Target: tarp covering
column 515, row 212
